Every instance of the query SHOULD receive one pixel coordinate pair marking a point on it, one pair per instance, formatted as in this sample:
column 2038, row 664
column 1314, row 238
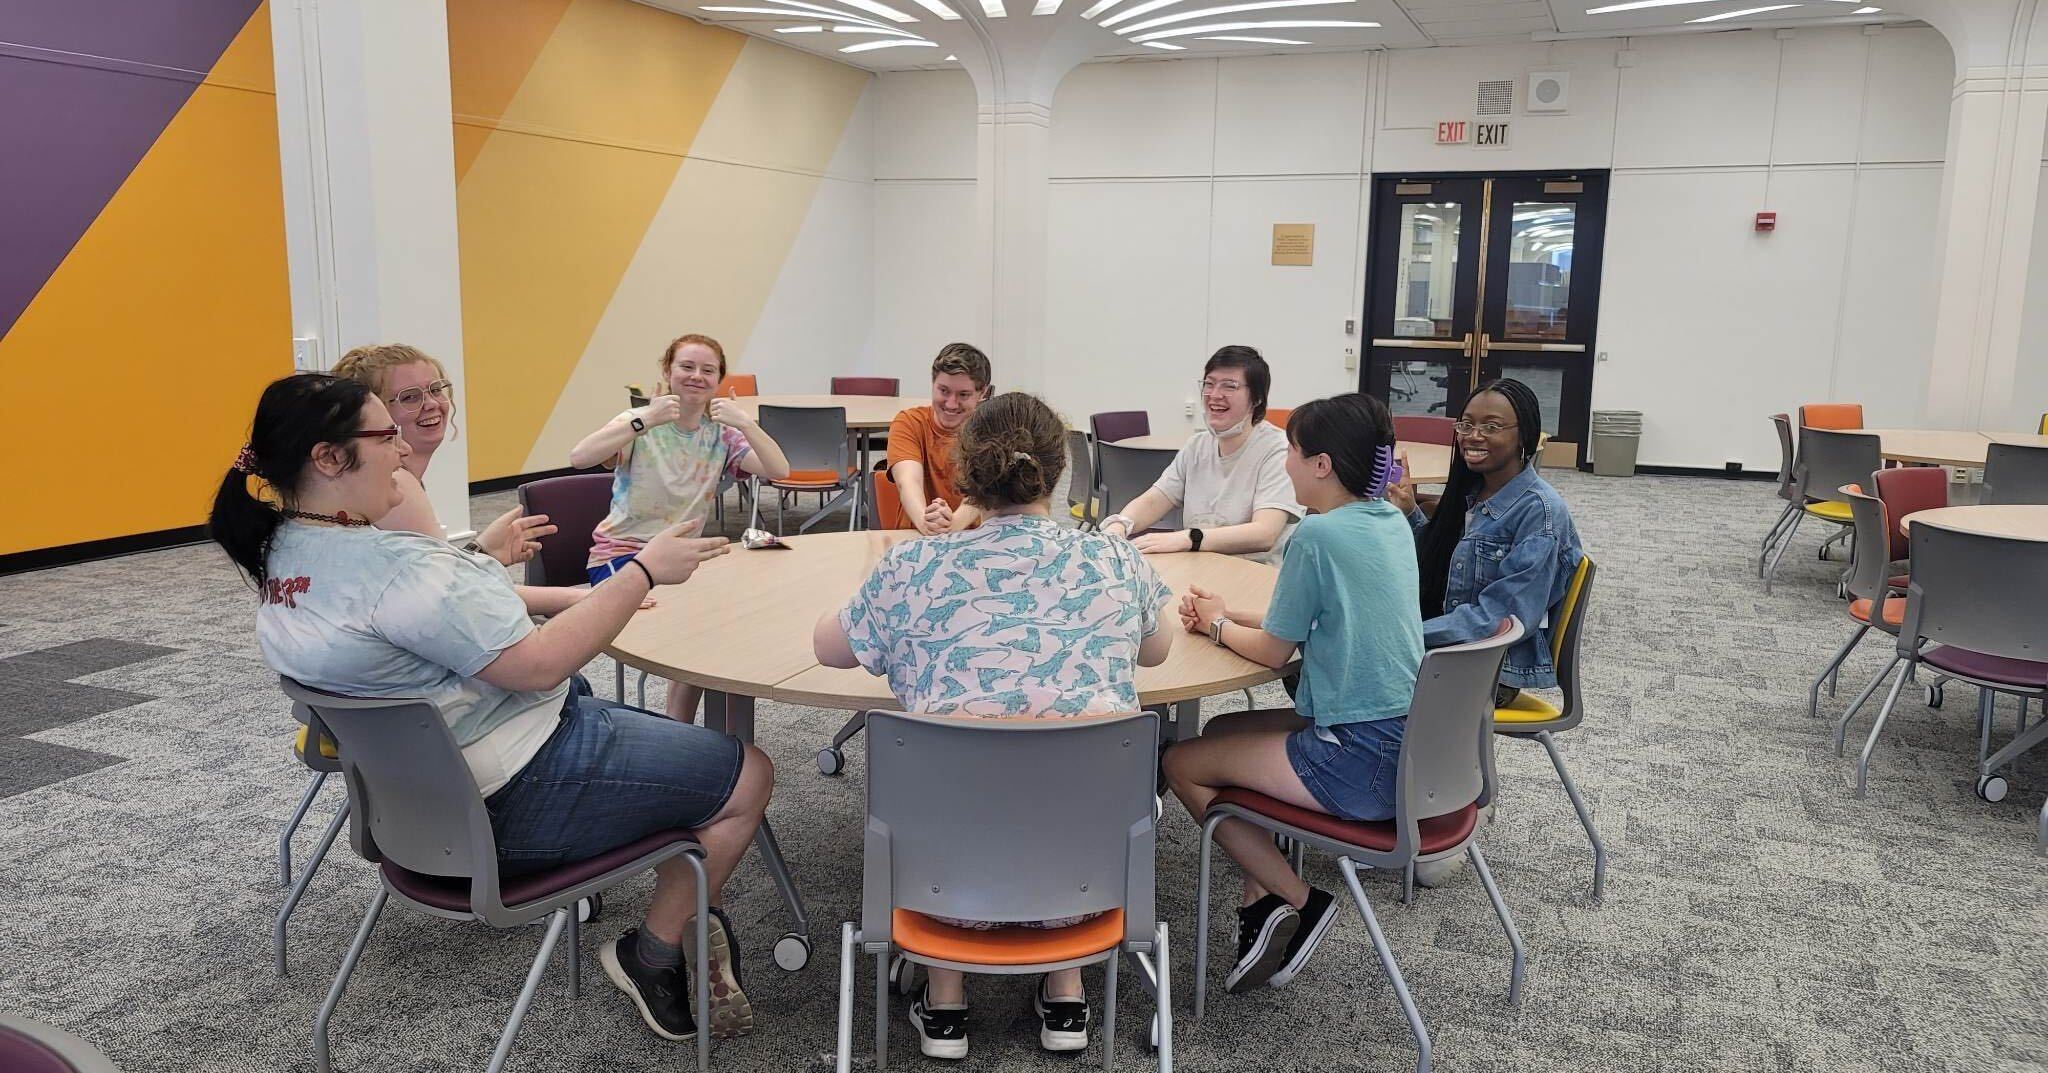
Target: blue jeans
column 604, row 570
column 1349, row 768
column 609, row 775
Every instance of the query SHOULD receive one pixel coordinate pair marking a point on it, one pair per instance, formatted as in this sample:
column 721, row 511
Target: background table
column 1944, row 447
column 2016, row 521
column 1431, row 461
column 864, row 414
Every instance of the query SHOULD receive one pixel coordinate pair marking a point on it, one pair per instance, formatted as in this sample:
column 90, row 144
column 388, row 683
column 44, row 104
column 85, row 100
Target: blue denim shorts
column 609, row 775
column 1349, row 768
column 604, row 570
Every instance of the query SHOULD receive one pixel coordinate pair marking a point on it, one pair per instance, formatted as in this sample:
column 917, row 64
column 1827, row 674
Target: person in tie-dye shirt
column 1019, row 618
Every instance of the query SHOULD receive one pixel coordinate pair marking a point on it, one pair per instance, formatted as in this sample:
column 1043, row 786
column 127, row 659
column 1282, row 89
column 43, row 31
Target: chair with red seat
column 1445, row 777
column 420, row 818
column 867, row 385
column 1907, row 490
column 28, row 1047
column 948, row 836
column 1425, row 428
column 1871, row 601
column 1973, row 613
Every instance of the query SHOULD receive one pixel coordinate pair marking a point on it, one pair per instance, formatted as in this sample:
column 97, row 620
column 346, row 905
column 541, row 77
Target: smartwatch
column 1216, row 629
column 639, row 426
column 1195, row 538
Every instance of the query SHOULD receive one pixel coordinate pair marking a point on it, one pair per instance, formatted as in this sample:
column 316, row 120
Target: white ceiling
column 829, row 27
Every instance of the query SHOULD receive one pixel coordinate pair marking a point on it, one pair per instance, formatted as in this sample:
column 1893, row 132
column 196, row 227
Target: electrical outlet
column 1188, row 407
column 306, row 354
column 1351, row 359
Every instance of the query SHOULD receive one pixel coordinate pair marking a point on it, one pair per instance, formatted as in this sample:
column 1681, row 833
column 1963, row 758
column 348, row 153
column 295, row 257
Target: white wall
column 2030, row 386
column 1167, row 176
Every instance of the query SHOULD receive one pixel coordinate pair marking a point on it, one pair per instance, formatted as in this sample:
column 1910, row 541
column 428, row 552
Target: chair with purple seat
column 1444, row 778
column 575, row 504
column 1973, row 613
column 419, row 817
column 28, row 1047
column 866, row 385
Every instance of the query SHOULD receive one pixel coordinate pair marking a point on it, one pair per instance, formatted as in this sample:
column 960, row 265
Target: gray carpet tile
column 1757, row 916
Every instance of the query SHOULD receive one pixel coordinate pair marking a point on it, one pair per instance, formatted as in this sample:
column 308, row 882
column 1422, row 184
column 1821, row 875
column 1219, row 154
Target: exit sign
column 1452, row 132
column 1490, row 135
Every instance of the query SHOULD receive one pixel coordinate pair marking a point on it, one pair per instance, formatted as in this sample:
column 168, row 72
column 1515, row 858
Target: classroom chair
column 1530, row 716
column 1906, row 490
column 322, row 760
column 888, row 505
column 1833, row 416
column 2015, row 473
column 1124, row 473
column 1423, row 428
column 28, row 1047
column 1445, row 777
column 1973, row 614
column 814, row 439
column 738, row 385
column 1277, row 416
column 1871, row 599
column 421, row 820
column 574, row 504
column 1788, row 490
column 866, row 385
column 1084, row 498
column 636, row 395
column 1827, row 460
column 960, row 824
column 2043, row 429
column 1114, row 425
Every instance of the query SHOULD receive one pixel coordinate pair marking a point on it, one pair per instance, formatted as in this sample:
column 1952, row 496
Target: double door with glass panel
column 1478, row 277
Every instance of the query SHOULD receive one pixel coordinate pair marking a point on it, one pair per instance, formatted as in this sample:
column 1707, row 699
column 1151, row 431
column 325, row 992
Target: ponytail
column 295, row 415
column 243, row 525
column 1011, row 451
column 1447, row 525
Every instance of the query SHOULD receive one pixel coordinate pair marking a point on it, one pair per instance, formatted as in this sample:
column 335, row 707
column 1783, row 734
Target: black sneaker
column 1317, row 914
column 1264, row 928
column 732, row 1015
column 1062, row 1023
column 662, row 995
column 941, row 1030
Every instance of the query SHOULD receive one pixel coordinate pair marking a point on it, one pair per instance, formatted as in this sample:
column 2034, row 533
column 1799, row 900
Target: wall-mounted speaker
column 1549, row 91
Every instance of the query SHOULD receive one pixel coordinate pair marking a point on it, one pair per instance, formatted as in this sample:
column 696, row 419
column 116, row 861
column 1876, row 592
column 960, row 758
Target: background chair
column 420, row 819
column 866, row 385
column 1277, row 415
column 1827, row 460
column 1834, row 416
column 737, row 385
column 1124, row 473
column 2015, row 473
column 813, row 438
column 1114, row 425
column 1423, row 428
column 316, row 750
column 945, row 838
column 1788, row 490
column 1529, row 716
column 1871, row 601
column 574, row 504
column 636, row 395
column 1084, row 498
column 28, row 1047
column 1445, row 778
column 888, row 505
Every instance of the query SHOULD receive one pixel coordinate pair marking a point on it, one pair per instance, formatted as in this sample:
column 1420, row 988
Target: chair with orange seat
column 1834, row 416
column 1277, row 415
column 960, row 825
column 814, row 439
column 736, row 385
column 1871, row 603
column 1529, row 716
column 888, row 505
column 1445, row 776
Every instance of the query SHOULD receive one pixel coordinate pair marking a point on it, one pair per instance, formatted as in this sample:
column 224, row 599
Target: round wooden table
column 2015, row 521
column 1944, row 447
column 1431, row 462
column 862, row 411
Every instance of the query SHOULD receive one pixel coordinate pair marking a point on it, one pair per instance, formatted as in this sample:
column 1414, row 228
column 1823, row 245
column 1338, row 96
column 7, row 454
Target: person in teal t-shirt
column 1348, row 599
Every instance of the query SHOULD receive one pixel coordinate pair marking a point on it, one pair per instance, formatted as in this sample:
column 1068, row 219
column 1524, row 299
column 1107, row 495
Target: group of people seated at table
column 996, row 611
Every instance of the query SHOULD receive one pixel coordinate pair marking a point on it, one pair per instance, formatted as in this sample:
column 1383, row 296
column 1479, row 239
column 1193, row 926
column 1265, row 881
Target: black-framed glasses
column 411, row 399
column 1466, row 428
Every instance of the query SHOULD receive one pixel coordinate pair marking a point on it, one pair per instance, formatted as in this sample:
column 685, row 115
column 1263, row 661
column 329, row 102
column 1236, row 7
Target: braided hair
column 1447, row 526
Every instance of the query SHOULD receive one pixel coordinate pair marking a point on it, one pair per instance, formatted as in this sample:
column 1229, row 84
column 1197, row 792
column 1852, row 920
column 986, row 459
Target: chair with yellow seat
column 1084, row 499
column 961, row 825
column 322, row 760
column 1827, row 460
column 1529, row 716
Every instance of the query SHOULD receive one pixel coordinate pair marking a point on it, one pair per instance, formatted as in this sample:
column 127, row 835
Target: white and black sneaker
column 1062, row 1023
column 941, row 1030
column 661, row 995
column 732, row 1015
column 1264, row 928
column 1317, row 914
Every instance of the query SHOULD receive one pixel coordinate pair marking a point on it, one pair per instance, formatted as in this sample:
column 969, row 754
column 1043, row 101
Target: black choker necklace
column 339, row 517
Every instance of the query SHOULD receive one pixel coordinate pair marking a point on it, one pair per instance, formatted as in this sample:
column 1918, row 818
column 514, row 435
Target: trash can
column 1616, row 435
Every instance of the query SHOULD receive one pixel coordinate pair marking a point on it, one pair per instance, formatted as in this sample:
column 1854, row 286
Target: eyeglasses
column 1466, row 428
column 411, row 399
column 683, row 369
column 1225, row 386
column 372, row 434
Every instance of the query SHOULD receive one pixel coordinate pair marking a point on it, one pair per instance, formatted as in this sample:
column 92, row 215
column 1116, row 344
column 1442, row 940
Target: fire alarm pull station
column 1767, row 221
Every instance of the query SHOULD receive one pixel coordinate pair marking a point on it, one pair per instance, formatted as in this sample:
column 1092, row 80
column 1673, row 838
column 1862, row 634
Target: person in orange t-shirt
column 921, row 442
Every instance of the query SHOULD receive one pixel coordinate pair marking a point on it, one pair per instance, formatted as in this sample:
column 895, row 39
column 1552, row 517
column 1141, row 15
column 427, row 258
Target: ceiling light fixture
column 870, row 46
column 1047, row 7
column 1100, row 7
column 993, row 8
column 939, row 9
column 1134, row 12
column 785, row 13
column 1228, row 9
column 1164, row 47
column 799, row 29
column 1274, row 24
column 1866, row 11
column 871, row 30
column 884, row 10
column 1738, row 14
column 1258, row 40
column 1639, row 5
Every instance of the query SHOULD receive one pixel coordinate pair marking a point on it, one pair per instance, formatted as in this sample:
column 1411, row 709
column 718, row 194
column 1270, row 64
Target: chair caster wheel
column 792, row 951
column 902, row 974
column 1991, row 788
column 831, row 761
column 1934, row 695
column 1841, row 590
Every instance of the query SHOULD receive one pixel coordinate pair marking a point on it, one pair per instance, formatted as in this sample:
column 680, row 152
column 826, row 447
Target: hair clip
column 1382, row 465
column 245, row 461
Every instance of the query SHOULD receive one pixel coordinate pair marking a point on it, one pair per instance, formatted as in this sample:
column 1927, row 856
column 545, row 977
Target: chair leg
column 291, row 827
column 843, row 1060
column 1842, row 725
column 526, row 993
column 1987, row 702
column 1832, row 668
column 575, row 952
column 882, row 1010
column 1109, row 1013
column 1771, row 537
column 1163, row 960
column 1884, row 713
column 1202, row 915
column 619, row 681
column 1379, row 945
column 1571, row 790
column 1771, row 571
column 298, row 891
column 348, row 968
column 703, row 962
column 1507, row 921
column 1408, row 884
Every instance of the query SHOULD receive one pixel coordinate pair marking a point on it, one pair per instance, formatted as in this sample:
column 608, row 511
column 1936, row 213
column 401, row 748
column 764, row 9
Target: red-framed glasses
column 373, row 434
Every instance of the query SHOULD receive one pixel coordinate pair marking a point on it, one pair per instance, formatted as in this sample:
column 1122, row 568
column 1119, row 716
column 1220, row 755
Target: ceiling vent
column 1549, row 91
column 1496, row 98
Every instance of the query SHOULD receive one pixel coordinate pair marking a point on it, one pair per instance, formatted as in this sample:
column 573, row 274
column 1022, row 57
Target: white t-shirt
column 1213, row 491
column 367, row 613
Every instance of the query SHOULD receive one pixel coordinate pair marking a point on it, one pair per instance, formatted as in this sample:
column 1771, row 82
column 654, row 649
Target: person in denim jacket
column 1501, row 542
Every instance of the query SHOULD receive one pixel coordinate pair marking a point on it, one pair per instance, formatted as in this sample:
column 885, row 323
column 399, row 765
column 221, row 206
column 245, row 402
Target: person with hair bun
column 361, row 611
column 417, row 391
column 1020, row 618
column 1346, row 600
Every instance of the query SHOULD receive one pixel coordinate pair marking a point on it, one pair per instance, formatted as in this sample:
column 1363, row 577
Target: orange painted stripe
column 492, row 45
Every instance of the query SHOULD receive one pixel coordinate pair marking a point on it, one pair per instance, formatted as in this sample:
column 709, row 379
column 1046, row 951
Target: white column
column 369, row 174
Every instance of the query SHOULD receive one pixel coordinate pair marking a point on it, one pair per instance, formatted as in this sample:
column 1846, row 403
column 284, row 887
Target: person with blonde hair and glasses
column 667, row 459
column 1020, row 618
column 421, row 398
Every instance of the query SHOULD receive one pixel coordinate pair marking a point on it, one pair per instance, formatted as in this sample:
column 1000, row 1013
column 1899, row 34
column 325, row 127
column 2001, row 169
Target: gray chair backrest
column 1009, row 819
column 1126, row 472
column 1786, row 488
column 415, row 803
column 2015, row 473
column 1829, row 459
column 574, row 505
column 1978, row 592
column 1447, row 746
column 1080, row 454
column 811, row 437
column 1868, row 579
